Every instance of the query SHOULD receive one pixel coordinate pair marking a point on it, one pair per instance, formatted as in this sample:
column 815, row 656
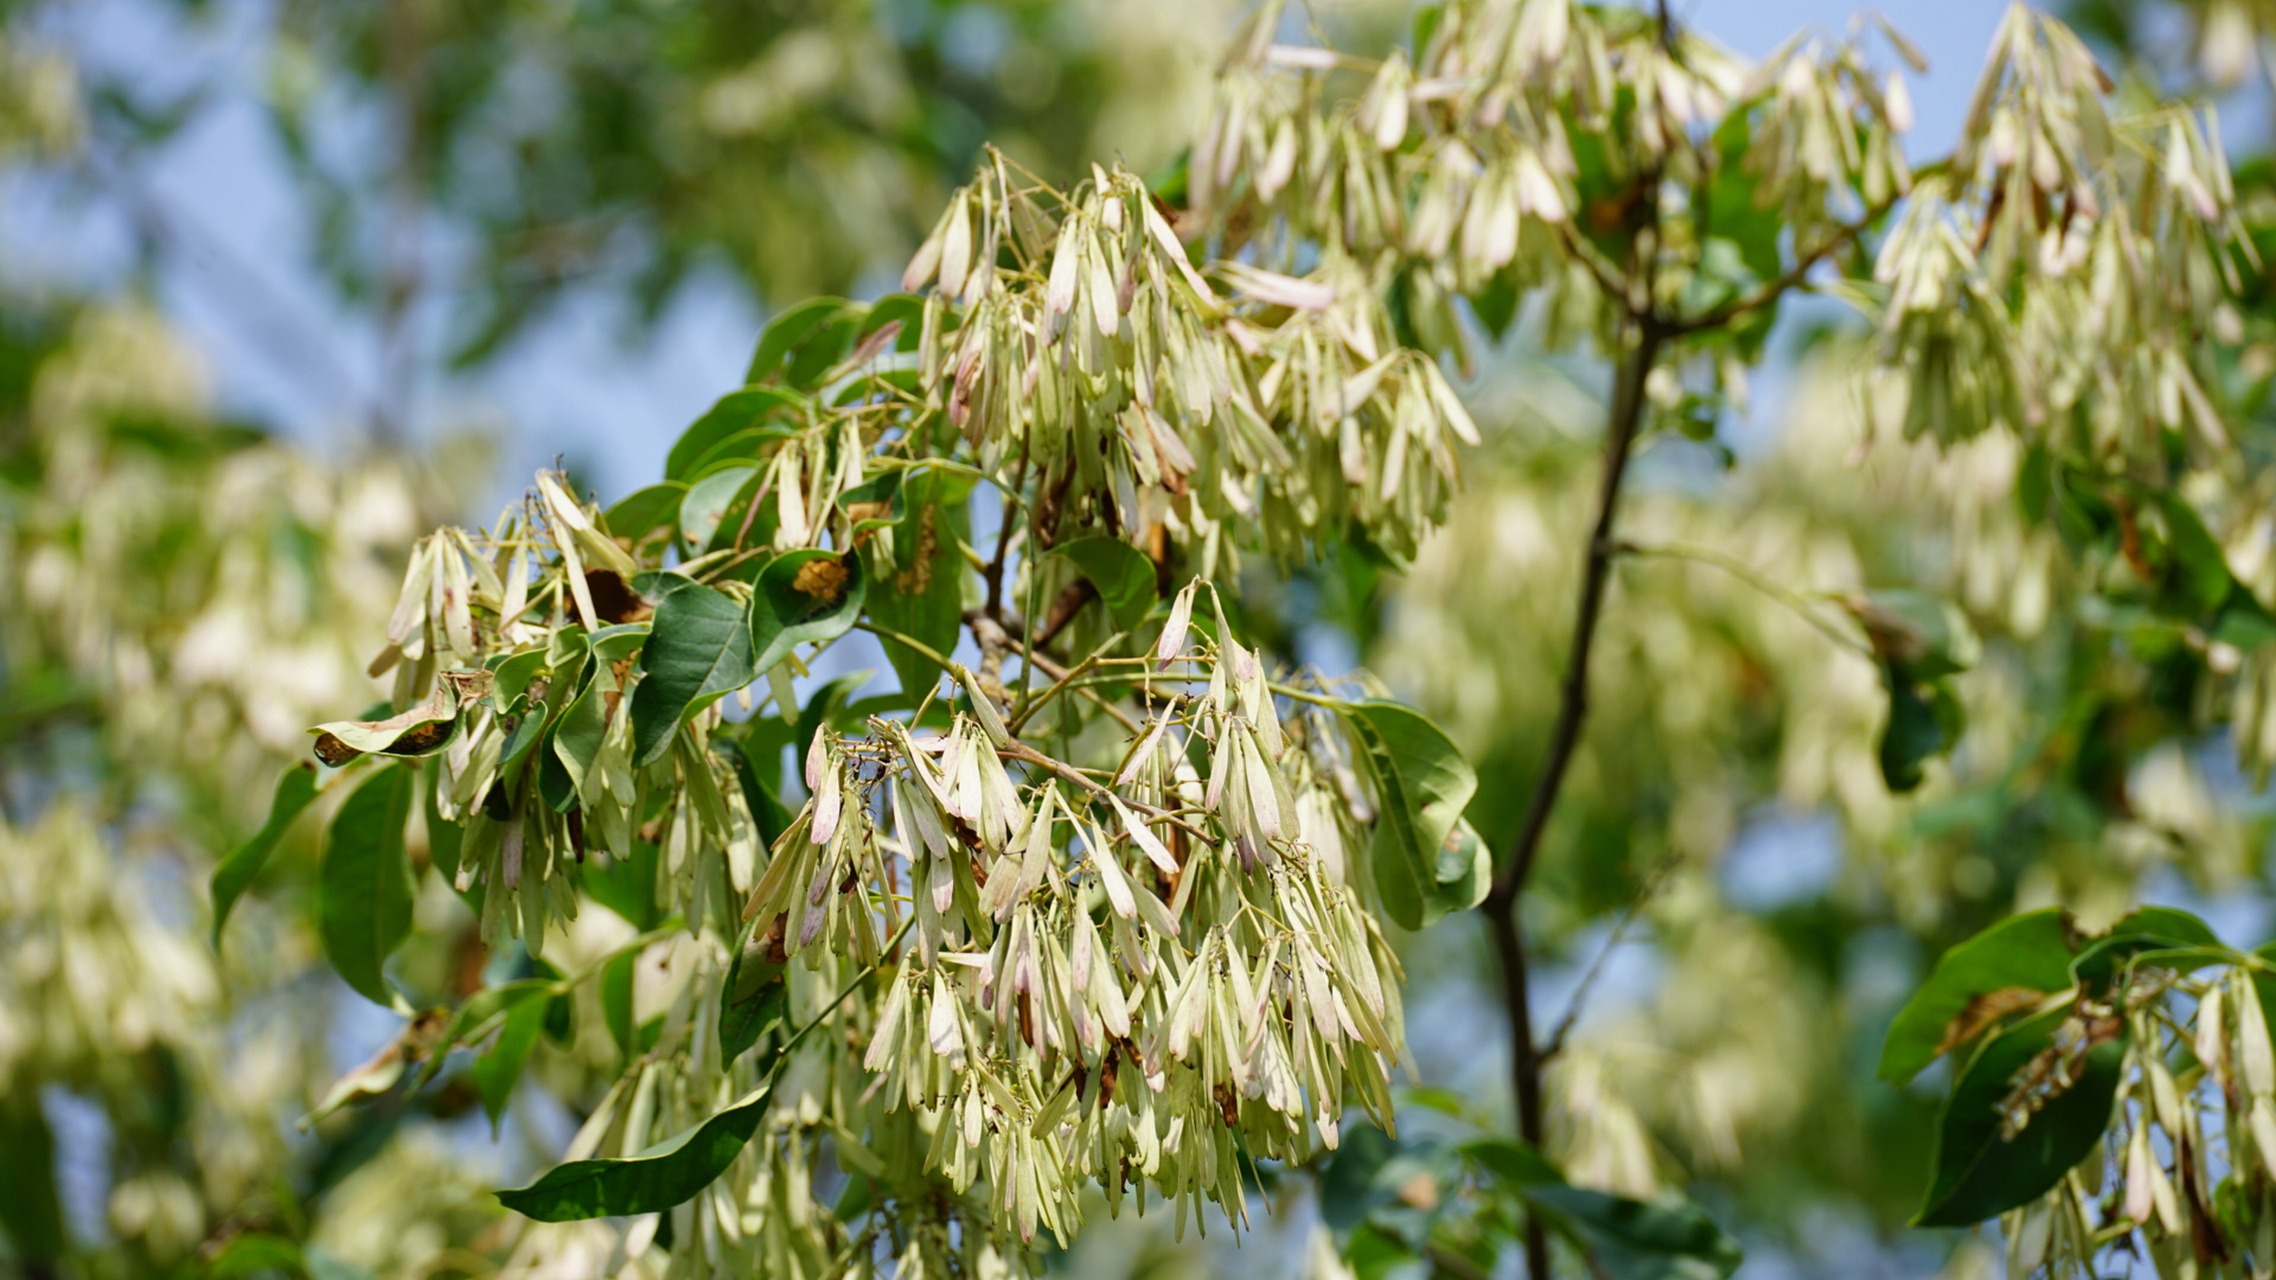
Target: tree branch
column 1500, row 905
column 1596, row 569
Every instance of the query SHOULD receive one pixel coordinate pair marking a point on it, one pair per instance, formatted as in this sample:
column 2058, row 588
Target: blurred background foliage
column 183, row 591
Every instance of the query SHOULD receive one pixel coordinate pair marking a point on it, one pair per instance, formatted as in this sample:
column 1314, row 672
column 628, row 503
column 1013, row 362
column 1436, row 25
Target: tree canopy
column 1325, row 611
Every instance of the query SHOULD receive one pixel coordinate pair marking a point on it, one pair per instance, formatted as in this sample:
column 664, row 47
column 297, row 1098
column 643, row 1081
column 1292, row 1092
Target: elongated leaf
column 735, row 413
column 1122, row 574
column 750, row 1001
column 294, row 791
column 424, row 728
column 705, row 507
column 500, row 1066
column 2029, row 952
column 1423, row 783
column 698, row 651
column 804, row 597
column 2183, row 942
column 364, row 885
column 667, row 1174
column 616, row 1001
column 921, row 592
column 1980, row 1173
column 1669, row 1239
column 1636, row 1239
column 814, row 322
column 641, row 513
column 1517, row 1164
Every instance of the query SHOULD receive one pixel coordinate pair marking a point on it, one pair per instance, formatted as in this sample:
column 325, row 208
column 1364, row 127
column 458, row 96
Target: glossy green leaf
column 2031, row 951
column 641, row 513
column 822, row 323
column 735, row 413
column 804, row 597
column 500, row 1066
column 2181, row 940
column 705, row 506
column 512, row 676
column 364, row 885
column 1422, row 783
column 921, row 594
column 698, row 651
column 1124, row 577
column 294, row 791
column 667, row 1174
column 1980, row 1173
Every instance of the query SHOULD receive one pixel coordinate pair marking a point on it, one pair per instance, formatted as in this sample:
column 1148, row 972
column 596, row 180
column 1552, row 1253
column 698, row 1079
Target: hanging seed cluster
column 1092, row 355
column 1123, row 983
column 2188, row 1171
column 1522, row 146
column 2068, row 274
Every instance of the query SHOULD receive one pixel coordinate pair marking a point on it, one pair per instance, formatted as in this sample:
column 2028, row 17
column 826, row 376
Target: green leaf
column 2160, row 929
column 251, row 1253
column 2197, row 579
column 1422, row 783
column 1925, row 635
column 512, row 676
column 1636, row 1239
column 751, row 1001
column 1981, row 1174
column 667, row 1174
column 30, row 1211
column 500, row 1066
column 1516, row 1163
column 616, row 1000
column 364, row 885
column 820, row 323
column 921, row 594
column 2030, row 951
column 698, row 651
column 1122, row 573
column 705, row 507
column 804, row 597
column 641, row 513
column 748, row 517
column 1925, row 721
column 1669, row 1239
column 736, row 413
column 294, row 791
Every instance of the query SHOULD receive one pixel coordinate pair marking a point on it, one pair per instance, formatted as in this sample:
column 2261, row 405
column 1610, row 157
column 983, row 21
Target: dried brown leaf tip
column 1984, row 1010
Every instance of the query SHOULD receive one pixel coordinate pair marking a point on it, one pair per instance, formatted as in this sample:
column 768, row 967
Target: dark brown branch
column 1776, row 289
column 1596, row 571
column 1500, row 905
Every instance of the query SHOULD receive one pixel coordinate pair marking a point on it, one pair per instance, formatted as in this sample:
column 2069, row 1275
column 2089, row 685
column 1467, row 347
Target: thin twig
column 1766, row 294
column 1556, row 1042
column 1744, row 572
